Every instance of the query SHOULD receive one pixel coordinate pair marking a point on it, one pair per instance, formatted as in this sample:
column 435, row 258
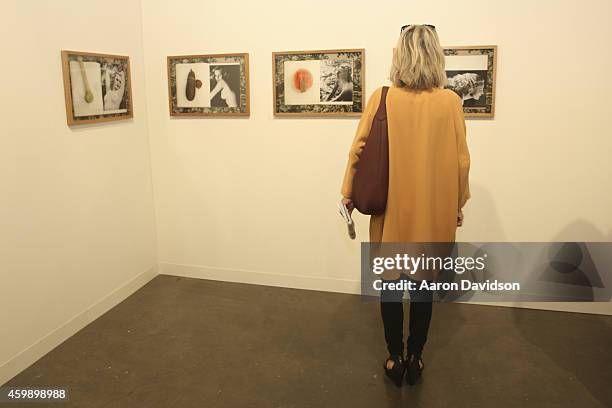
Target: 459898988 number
column 11, row 394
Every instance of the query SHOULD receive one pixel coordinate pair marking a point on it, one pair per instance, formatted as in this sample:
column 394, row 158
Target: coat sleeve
column 463, row 153
column 363, row 130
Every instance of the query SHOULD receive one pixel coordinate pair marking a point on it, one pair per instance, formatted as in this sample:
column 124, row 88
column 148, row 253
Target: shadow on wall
column 482, row 219
column 578, row 264
column 582, row 231
column 582, row 269
column 576, row 349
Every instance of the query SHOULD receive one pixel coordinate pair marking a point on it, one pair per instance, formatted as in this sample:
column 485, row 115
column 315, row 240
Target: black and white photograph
column 224, row 85
column 336, row 84
column 97, row 87
column 470, row 86
column 208, row 85
column 114, row 80
column 319, row 83
column 470, row 72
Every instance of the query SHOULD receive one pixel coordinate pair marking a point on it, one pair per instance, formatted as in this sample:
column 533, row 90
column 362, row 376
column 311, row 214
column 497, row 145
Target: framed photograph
column 319, row 83
column 471, row 74
column 97, row 87
column 208, row 85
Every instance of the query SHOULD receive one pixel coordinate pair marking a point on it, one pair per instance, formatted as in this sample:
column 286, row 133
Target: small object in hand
column 460, row 218
column 345, row 212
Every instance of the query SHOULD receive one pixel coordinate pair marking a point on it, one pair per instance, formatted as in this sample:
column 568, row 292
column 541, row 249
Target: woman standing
column 428, row 177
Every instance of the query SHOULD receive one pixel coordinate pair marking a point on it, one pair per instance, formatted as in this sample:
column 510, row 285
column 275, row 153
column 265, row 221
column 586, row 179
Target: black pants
column 392, row 311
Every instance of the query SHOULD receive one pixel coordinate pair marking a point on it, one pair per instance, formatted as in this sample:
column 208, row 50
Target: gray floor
column 182, row 342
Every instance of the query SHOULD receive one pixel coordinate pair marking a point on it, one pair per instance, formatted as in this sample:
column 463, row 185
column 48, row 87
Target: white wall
column 76, row 209
column 254, row 199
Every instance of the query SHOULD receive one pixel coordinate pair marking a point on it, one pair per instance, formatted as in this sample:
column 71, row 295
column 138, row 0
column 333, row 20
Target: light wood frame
column 202, row 112
column 362, row 91
column 491, row 51
column 75, row 120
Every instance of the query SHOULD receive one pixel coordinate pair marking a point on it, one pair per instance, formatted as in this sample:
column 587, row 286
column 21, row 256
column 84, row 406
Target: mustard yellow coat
column 429, row 164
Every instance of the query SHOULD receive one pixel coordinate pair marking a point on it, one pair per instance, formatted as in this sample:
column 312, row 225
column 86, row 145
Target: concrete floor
column 182, row 342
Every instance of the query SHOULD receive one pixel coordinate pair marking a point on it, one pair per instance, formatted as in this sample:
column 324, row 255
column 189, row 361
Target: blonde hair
column 418, row 59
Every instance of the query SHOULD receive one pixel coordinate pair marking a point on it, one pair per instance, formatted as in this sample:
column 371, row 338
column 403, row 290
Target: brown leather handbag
column 371, row 180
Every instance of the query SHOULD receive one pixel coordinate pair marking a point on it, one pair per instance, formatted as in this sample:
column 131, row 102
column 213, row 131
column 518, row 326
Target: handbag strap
column 381, row 113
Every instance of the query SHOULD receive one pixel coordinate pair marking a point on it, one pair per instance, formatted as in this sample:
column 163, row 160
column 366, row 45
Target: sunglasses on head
column 433, row 27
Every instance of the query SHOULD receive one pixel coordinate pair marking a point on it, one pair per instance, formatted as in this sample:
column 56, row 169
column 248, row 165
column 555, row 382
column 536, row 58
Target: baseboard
column 348, row 286
column 31, row 354
column 262, row 278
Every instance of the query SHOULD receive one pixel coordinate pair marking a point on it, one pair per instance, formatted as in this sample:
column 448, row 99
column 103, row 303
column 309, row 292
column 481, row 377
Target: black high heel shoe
column 396, row 373
column 414, row 368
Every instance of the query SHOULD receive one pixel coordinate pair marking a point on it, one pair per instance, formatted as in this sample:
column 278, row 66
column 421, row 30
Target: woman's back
column 428, row 164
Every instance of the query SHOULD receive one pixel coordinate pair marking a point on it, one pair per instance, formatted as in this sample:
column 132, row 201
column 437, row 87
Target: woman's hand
column 349, row 204
column 460, row 218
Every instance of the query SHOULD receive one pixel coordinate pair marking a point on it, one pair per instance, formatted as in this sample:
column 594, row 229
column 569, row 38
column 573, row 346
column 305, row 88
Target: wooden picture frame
column 337, row 87
column 193, row 78
column 471, row 73
column 97, row 87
